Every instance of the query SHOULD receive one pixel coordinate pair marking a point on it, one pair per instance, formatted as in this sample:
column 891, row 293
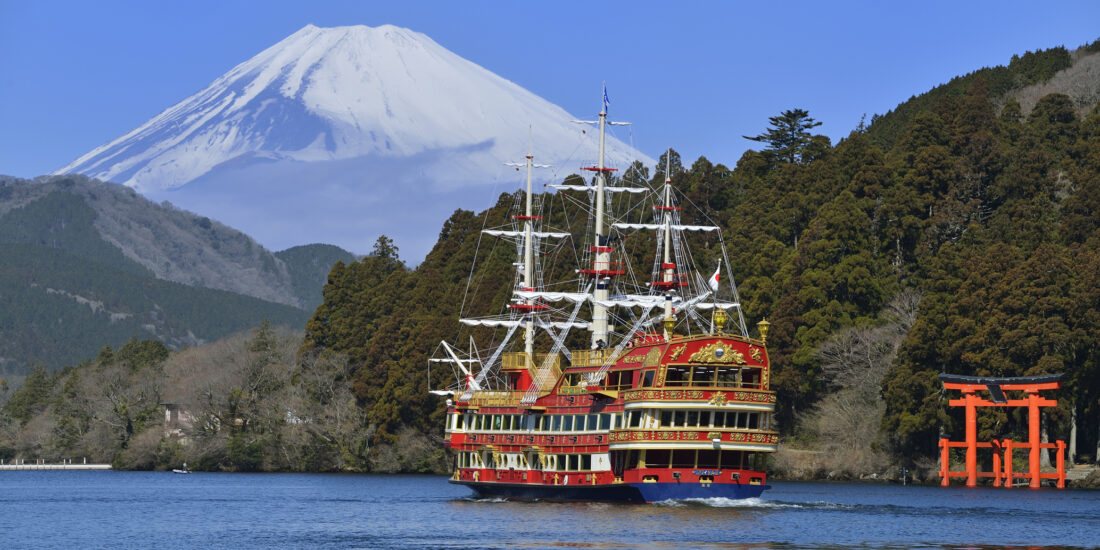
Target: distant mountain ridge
column 330, row 129
column 84, row 263
column 166, row 242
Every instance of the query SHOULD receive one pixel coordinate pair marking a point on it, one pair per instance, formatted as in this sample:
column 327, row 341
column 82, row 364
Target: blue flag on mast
column 606, row 103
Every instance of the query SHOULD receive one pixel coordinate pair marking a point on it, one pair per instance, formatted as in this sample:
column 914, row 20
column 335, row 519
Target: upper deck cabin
column 708, row 363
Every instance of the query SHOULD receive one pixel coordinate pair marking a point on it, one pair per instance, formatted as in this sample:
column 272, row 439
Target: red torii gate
column 1031, row 385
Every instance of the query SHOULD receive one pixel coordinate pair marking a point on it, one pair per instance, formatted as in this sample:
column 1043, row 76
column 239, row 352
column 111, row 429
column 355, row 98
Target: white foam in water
column 720, row 502
column 489, row 500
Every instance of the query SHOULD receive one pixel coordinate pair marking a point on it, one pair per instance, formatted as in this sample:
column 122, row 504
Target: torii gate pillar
column 1031, row 385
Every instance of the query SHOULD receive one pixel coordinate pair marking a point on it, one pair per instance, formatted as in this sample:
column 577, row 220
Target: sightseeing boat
column 671, row 399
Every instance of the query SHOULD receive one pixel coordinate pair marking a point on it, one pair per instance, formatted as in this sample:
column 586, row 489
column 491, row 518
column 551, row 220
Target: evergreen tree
column 788, row 136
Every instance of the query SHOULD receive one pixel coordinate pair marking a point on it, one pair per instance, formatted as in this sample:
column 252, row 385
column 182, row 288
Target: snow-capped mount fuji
column 341, row 134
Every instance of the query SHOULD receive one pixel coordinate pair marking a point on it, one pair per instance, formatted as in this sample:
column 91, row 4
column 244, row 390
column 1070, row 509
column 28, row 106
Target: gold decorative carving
column 756, row 355
column 653, row 358
column 764, row 378
column 717, row 352
column 718, row 399
column 636, row 358
column 677, row 352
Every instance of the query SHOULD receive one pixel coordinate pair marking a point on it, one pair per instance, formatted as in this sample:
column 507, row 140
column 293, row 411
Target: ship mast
column 601, row 247
column 667, row 264
column 602, row 271
column 529, row 260
column 530, row 304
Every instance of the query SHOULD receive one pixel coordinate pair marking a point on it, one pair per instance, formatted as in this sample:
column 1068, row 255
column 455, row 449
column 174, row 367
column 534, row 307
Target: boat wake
column 489, row 500
column 757, row 503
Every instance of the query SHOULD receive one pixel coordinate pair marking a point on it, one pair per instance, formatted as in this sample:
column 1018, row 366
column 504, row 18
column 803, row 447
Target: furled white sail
column 661, row 226
column 516, row 323
column 539, row 234
column 592, row 188
column 719, row 305
column 635, row 300
column 574, row 297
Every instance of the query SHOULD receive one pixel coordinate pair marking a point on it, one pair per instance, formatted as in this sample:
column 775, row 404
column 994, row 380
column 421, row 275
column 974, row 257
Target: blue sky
column 695, row 76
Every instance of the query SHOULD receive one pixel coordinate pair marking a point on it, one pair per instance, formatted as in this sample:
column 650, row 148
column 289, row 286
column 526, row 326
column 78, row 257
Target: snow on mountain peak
column 345, row 95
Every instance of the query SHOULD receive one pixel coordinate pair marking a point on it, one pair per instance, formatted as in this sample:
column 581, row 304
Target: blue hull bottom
column 627, row 492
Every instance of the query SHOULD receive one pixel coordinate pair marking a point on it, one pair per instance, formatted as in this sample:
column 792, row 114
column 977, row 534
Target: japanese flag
column 714, row 279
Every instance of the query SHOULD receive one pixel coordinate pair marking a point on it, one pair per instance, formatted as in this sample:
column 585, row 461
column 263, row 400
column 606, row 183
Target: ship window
column 506, row 422
column 679, row 419
column 635, row 418
column 559, row 462
column 567, row 423
column 657, row 458
column 466, row 420
column 750, row 378
column 578, row 423
column 544, row 424
column 618, row 420
column 586, row 462
column 693, row 419
column 478, row 420
column 574, row 462
column 632, row 459
column 591, row 424
column 707, row 459
column 731, row 459
column 727, row 376
column 683, row 459
column 556, row 424
column 753, row 421
column 702, row 375
column 621, row 380
column 666, row 419
column 676, row 376
column 647, row 379
column 731, row 419
column 605, row 421
column 496, row 421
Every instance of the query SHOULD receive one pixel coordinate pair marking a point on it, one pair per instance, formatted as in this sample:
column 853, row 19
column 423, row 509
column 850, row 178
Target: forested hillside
column 87, row 264
column 118, row 226
column 56, row 309
column 957, row 234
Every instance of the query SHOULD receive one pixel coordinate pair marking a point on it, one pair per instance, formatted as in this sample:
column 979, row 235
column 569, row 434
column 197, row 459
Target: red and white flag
column 714, row 279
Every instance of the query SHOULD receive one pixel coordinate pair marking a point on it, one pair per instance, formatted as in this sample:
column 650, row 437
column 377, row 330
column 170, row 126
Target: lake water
column 163, row 510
